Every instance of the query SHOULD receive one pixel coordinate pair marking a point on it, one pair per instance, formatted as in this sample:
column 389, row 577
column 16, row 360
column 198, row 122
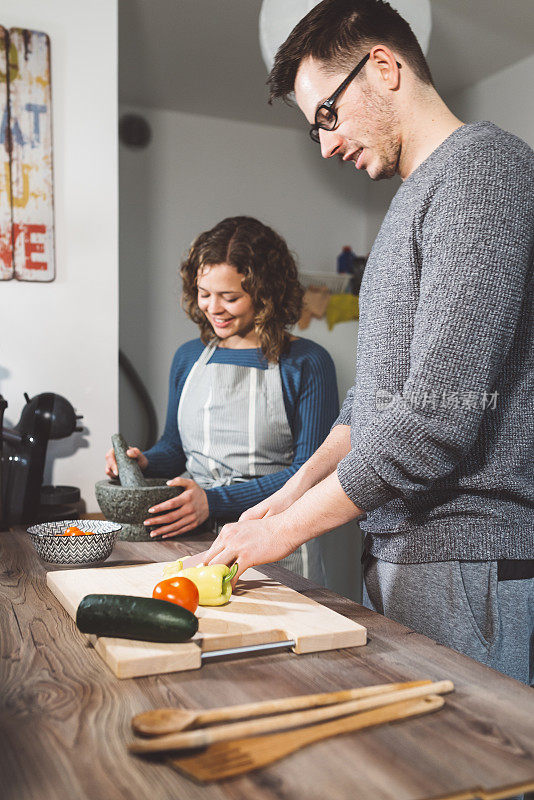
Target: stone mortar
column 129, row 506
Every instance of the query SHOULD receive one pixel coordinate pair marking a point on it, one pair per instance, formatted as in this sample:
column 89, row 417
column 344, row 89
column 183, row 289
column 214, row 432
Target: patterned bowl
column 74, row 549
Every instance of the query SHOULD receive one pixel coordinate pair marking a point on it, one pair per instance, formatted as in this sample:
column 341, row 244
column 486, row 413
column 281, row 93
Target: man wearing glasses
column 434, row 446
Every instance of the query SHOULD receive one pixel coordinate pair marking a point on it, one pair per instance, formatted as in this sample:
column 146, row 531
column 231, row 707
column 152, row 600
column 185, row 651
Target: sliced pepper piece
column 214, row 582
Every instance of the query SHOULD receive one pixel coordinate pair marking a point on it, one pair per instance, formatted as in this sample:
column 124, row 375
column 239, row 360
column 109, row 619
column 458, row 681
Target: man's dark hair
column 339, row 33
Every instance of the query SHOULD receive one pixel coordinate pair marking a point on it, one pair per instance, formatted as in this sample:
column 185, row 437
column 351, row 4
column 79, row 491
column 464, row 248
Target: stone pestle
column 128, row 502
column 130, row 474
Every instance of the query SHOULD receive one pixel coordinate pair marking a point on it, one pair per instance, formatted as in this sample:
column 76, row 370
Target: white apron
column 233, row 426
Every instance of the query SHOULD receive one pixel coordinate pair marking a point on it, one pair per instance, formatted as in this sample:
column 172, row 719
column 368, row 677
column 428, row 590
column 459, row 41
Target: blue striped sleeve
column 311, row 399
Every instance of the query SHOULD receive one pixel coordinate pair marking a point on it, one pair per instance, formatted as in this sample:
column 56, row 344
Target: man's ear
column 385, row 65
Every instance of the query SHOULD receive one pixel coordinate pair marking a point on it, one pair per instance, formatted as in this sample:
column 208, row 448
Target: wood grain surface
column 65, row 718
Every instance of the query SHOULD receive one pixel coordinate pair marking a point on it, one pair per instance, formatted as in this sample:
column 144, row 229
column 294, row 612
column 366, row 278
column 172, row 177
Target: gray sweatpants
column 462, row 605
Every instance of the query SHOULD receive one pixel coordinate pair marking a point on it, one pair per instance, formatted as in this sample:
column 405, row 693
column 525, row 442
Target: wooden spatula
column 226, row 759
column 203, row 737
column 171, row 720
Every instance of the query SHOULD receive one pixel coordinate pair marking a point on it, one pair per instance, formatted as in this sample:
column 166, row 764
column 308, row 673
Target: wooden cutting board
column 261, row 611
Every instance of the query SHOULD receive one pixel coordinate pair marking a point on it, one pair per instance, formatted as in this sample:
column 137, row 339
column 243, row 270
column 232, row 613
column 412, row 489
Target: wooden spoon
column 237, row 730
column 172, row 720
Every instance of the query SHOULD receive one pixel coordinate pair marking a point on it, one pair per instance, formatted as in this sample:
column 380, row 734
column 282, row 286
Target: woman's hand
column 132, row 452
column 250, row 543
column 185, row 512
column 275, row 504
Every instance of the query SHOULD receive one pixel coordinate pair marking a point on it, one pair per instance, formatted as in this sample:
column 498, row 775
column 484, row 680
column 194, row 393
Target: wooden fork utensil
column 226, row 759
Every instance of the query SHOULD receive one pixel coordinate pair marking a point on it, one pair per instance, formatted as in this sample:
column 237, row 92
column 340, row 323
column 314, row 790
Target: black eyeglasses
column 325, row 116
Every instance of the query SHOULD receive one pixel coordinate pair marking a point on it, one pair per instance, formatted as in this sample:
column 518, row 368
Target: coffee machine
column 23, row 498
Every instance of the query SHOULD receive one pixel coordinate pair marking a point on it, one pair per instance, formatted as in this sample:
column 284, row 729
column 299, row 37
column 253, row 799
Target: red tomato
column 181, row 591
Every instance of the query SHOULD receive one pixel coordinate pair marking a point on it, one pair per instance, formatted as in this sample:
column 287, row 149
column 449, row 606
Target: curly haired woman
column 248, row 402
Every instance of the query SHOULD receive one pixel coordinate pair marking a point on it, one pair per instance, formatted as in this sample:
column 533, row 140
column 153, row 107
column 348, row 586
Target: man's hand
column 272, row 505
column 185, row 512
column 260, row 541
column 250, row 543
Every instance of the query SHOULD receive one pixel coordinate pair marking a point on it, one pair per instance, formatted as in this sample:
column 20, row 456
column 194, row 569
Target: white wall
column 504, row 98
column 196, row 171
column 63, row 336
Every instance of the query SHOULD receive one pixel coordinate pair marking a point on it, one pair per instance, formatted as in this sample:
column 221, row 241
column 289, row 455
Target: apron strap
column 200, row 362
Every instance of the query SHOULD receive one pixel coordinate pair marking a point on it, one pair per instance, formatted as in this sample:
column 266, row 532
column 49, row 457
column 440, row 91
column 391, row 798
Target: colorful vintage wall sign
column 26, row 177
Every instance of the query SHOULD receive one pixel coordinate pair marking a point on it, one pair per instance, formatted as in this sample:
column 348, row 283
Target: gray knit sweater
column 442, row 410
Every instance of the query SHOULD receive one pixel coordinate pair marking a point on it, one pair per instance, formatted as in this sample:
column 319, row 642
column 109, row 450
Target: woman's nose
column 215, row 306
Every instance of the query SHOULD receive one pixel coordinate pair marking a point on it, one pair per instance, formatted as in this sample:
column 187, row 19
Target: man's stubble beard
column 383, row 124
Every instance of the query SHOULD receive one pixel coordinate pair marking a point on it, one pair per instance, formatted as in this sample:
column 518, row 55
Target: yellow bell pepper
column 214, row 582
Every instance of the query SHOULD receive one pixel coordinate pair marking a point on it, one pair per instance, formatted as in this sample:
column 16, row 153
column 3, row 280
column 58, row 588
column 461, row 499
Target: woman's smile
column 220, row 322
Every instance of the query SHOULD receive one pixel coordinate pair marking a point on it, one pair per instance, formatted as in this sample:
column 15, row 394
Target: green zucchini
column 144, row 618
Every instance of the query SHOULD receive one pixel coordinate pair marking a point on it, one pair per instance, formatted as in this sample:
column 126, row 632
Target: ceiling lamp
column 279, row 17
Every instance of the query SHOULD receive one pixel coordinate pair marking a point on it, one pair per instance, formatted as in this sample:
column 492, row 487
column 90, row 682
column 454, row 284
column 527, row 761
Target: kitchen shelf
column 334, row 282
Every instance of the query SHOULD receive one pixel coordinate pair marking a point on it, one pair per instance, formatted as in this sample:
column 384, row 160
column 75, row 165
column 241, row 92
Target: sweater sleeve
column 315, row 409
column 166, row 458
column 476, row 245
column 345, row 414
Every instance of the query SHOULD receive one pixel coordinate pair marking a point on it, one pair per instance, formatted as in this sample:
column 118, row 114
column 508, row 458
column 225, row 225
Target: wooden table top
column 65, row 718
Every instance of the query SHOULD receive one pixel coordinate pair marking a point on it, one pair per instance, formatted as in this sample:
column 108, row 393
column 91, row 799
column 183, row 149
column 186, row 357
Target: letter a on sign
column 26, row 135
